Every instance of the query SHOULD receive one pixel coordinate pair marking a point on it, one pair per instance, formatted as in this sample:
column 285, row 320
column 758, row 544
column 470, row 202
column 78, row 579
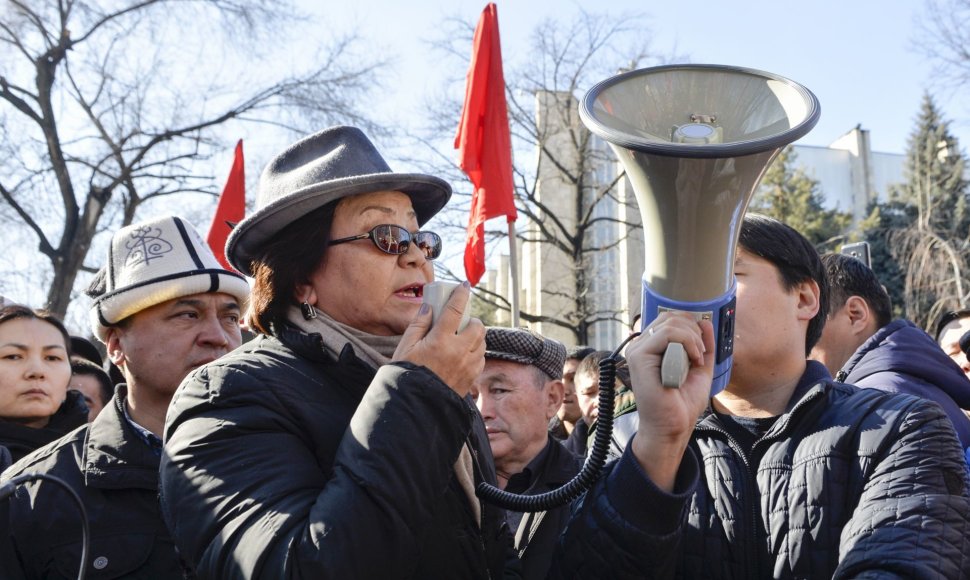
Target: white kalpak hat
column 155, row 261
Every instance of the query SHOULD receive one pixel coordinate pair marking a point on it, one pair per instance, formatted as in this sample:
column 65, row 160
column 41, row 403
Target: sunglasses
column 396, row 240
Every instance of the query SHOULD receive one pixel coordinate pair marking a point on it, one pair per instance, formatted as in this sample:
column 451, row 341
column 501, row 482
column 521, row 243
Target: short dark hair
column 795, row 258
column 17, row 311
column 289, row 258
column 86, row 349
column 590, row 365
column 579, row 352
column 948, row 317
column 848, row 276
column 84, row 367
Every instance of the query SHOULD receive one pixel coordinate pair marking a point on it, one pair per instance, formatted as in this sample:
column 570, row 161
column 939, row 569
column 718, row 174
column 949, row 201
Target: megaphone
column 695, row 141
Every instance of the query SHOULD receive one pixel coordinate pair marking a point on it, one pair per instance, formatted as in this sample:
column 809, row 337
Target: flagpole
column 484, row 145
column 514, row 274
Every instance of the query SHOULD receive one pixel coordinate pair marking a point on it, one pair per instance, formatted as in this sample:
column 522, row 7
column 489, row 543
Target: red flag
column 484, row 143
column 230, row 209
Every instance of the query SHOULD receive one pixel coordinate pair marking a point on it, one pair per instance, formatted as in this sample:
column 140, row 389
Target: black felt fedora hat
column 335, row 163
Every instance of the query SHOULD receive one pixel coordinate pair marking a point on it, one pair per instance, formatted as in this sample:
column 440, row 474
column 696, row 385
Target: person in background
column 953, row 336
column 340, row 442
column 863, row 346
column 84, row 349
column 36, row 406
column 784, row 474
column 94, row 385
column 569, row 414
column 163, row 306
column 587, row 395
column 519, row 390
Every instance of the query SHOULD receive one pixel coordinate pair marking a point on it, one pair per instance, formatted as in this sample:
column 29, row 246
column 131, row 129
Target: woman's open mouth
column 411, row 292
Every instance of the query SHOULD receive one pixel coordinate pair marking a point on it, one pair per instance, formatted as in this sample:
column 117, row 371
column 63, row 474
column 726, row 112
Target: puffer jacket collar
column 115, row 457
column 311, row 346
column 812, row 385
column 903, row 347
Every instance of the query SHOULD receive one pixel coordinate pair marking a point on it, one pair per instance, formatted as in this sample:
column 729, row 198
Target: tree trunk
column 66, row 266
column 73, row 248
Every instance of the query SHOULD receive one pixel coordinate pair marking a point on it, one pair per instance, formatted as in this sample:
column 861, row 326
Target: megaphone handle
column 673, row 368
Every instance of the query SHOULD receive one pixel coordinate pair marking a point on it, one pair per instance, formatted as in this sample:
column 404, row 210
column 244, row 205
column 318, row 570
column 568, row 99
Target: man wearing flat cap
column 163, row 306
column 518, row 392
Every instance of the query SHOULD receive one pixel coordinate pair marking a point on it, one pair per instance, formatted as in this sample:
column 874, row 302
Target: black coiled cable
column 7, row 489
column 595, row 461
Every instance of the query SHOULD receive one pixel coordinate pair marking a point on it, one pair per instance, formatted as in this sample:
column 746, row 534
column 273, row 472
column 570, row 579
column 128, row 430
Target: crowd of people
column 351, row 437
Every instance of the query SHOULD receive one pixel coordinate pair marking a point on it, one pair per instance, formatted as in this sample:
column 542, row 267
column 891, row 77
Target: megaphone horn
column 695, row 141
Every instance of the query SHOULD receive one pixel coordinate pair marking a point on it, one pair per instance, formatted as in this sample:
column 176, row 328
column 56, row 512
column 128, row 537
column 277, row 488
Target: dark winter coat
column 847, row 483
column 21, row 440
column 116, row 475
column 901, row 358
column 538, row 534
column 281, row 462
column 576, row 442
column 6, row 460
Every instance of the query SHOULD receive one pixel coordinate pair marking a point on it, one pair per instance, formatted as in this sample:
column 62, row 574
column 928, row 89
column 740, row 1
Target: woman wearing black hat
column 339, row 443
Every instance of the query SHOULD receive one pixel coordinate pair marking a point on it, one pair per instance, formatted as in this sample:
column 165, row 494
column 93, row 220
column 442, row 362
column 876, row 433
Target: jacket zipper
column 751, row 554
column 751, row 479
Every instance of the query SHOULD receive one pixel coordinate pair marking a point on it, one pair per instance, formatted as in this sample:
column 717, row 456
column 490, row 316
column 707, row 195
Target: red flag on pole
column 484, row 143
column 230, row 209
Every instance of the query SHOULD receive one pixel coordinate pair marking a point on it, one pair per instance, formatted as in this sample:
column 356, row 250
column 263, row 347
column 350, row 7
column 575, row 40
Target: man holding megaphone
column 785, row 473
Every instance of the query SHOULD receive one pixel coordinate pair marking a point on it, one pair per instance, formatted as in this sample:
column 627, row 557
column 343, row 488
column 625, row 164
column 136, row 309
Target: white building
column 850, row 173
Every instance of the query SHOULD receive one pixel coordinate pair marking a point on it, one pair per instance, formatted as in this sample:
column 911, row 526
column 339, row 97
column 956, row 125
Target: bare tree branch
column 113, row 122
column 558, row 195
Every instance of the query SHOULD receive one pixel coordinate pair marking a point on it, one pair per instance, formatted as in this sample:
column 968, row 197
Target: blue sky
column 857, row 56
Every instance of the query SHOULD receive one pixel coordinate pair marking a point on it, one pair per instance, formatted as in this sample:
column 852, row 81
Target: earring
column 309, row 312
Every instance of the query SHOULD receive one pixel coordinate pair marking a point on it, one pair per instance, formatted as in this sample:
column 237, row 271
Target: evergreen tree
column 932, row 247
column 883, row 220
column 790, row 196
column 935, row 169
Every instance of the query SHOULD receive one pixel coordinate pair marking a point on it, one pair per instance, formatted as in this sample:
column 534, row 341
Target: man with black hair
column 953, row 336
column 94, row 385
column 786, row 473
column 163, row 306
column 84, row 349
column 863, row 346
column 570, row 416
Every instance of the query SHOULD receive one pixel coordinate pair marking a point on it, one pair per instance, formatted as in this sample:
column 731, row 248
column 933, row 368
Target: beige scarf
column 372, row 349
column 377, row 351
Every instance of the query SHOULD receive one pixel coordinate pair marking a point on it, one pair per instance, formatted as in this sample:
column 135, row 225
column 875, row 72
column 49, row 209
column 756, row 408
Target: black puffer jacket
column 847, row 483
column 901, row 358
column 116, row 475
column 21, row 440
column 281, row 463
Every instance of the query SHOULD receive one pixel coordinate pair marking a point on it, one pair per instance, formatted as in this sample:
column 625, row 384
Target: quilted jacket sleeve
column 913, row 519
column 626, row 527
column 245, row 495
